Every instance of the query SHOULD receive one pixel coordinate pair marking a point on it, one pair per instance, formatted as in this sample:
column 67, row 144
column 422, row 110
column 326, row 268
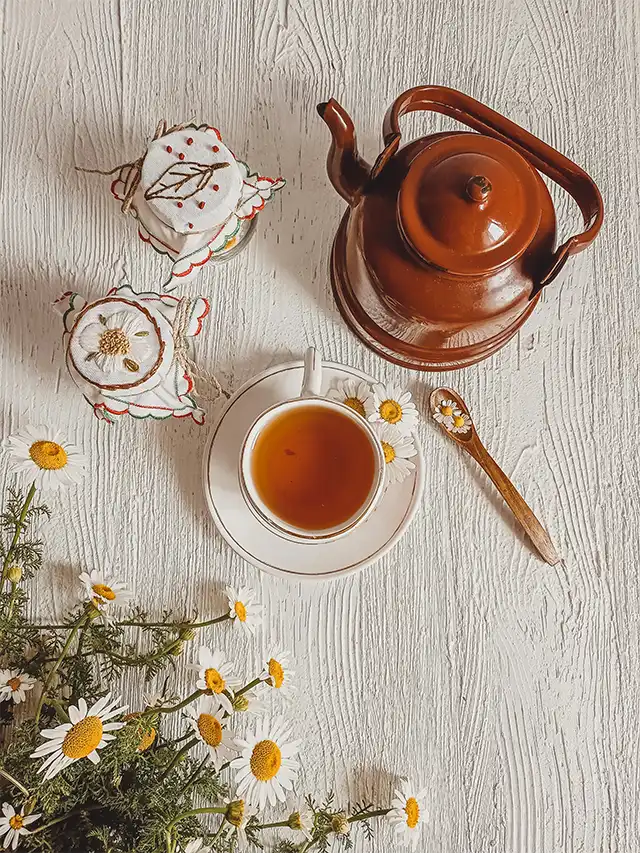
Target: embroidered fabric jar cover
column 193, row 199
column 127, row 352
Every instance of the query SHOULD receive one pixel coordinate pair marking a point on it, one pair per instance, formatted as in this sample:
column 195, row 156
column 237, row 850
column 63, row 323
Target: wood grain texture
column 510, row 688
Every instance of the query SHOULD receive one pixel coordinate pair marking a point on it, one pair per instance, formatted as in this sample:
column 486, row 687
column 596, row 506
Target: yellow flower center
column 103, row 591
column 447, row 411
column 355, row 404
column 48, row 455
column 147, row 738
column 458, row 421
column 14, row 683
column 277, row 673
column 16, row 822
column 390, row 411
column 113, row 342
column 412, row 809
column 389, row 452
column 266, row 759
column 214, row 681
column 210, row 729
column 83, row 738
column 241, row 611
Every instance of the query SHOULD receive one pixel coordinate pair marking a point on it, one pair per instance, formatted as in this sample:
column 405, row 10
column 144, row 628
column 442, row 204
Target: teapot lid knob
column 478, row 188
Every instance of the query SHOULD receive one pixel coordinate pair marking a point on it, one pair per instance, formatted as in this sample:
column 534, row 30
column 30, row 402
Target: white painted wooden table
column 511, row 688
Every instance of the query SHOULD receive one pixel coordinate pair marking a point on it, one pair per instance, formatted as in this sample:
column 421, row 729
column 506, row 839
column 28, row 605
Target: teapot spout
column 348, row 172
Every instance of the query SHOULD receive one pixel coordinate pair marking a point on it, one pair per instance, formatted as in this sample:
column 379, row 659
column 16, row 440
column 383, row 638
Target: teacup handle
column 312, row 378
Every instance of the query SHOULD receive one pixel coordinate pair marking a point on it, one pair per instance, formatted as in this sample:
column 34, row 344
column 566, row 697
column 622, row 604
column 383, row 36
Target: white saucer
column 244, row 532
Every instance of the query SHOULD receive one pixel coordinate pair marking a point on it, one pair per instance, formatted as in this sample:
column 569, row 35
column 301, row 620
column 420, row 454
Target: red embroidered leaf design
column 183, row 180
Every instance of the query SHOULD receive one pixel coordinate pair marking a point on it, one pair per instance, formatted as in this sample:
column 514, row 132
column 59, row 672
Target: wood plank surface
column 510, row 688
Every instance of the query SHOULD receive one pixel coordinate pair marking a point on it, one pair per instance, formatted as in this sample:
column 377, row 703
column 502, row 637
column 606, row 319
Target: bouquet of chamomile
column 82, row 771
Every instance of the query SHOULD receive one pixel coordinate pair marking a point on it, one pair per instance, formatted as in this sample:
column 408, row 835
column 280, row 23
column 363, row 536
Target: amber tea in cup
column 313, row 467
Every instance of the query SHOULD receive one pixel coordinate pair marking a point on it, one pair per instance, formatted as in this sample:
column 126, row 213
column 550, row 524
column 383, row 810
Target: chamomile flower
column 248, row 703
column 215, row 675
column 206, row 718
column 88, row 730
column 394, row 406
column 461, row 422
column 397, row 449
column 407, row 813
column 445, row 411
column 239, row 814
column 266, row 768
column 197, row 845
column 278, row 674
column 14, row 685
column 354, row 393
column 244, row 610
column 103, row 592
column 301, row 820
column 13, row 824
column 44, row 457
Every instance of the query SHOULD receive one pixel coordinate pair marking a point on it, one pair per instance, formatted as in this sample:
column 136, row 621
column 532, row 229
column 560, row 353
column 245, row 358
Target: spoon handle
column 515, row 501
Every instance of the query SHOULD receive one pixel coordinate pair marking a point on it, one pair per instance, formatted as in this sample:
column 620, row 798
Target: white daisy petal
column 354, row 393
column 395, row 407
column 261, row 773
column 43, row 456
column 82, row 737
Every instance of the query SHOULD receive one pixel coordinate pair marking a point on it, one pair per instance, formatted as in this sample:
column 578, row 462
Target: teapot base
column 394, row 349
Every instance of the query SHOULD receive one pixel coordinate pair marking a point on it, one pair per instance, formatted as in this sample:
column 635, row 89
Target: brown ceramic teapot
column 448, row 241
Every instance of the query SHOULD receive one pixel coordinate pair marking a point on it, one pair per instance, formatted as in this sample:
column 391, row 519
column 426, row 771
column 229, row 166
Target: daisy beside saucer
column 257, row 544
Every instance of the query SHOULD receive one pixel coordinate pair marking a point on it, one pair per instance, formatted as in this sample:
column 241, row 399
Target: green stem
column 71, row 814
column 194, row 776
column 12, row 600
column 195, row 812
column 272, row 825
column 367, row 815
column 219, row 832
column 178, row 757
column 79, row 624
column 60, row 709
column 176, row 626
column 18, row 531
column 14, row 781
column 169, row 709
column 248, row 686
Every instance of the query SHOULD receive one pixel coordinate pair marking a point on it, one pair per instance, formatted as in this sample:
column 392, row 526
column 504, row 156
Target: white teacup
column 309, row 396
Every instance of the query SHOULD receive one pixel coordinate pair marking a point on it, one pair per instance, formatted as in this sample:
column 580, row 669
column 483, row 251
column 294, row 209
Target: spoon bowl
column 443, row 394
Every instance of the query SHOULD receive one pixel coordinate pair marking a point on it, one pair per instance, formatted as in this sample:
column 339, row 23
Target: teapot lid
column 469, row 204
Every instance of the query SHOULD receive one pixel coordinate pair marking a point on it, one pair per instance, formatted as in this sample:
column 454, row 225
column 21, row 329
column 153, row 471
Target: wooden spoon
column 467, row 438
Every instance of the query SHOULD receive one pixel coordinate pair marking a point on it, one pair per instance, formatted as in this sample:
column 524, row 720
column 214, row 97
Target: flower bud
column 240, row 703
column 340, row 825
column 235, row 812
column 187, row 634
column 14, row 573
column 176, row 648
column 295, row 821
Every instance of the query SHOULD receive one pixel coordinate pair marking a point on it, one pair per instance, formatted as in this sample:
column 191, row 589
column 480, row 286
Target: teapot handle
column 543, row 157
